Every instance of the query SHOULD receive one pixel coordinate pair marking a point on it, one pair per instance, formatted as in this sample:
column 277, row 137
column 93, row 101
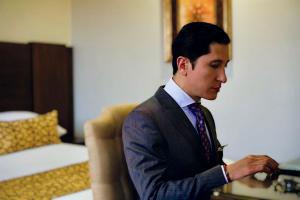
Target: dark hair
column 194, row 39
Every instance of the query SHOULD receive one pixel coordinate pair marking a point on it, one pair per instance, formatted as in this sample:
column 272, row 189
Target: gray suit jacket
column 164, row 154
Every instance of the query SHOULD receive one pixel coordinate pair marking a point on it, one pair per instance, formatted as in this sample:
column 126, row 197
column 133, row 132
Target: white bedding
column 40, row 159
column 82, row 195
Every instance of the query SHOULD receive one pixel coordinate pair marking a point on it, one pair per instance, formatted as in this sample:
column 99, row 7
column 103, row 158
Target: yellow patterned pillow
column 28, row 133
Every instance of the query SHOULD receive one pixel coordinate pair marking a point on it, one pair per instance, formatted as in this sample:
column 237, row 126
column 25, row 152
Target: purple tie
column 200, row 126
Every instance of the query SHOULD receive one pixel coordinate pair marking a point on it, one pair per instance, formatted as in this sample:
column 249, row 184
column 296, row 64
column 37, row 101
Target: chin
column 210, row 97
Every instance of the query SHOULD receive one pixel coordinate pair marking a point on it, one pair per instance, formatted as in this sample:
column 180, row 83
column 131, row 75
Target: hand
column 252, row 182
column 251, row 165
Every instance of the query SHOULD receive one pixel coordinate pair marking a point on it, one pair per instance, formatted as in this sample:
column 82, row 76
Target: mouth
column 217, row 89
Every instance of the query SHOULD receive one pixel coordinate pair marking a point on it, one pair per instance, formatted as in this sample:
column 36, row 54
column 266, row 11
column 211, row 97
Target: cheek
column 201, row 80
column 199, row 83
column 204, row 79
column 205, row 83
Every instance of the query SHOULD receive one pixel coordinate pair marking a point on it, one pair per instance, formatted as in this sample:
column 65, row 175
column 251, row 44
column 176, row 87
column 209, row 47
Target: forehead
column 216, row 49
column 216, row 52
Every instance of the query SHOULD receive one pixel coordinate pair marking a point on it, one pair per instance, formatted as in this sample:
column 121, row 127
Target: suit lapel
column 212, row 132
column 178, row 119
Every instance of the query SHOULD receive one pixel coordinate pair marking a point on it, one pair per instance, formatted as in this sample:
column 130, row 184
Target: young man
column 170, row 141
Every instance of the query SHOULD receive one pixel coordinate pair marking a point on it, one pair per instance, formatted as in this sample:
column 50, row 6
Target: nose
column 222, row 75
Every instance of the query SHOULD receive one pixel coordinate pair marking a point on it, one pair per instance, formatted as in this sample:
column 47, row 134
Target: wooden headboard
column 37, row 77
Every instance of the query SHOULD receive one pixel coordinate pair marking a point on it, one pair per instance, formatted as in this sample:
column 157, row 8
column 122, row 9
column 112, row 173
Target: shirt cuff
column 224, row 173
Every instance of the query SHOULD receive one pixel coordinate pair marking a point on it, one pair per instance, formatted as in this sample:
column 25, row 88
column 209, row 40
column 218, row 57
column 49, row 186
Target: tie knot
column 195, row 108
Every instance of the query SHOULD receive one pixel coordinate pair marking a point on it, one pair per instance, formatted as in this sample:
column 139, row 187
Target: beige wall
column 35, row 20
column 118, row 59
column 257, row 111
column 118, row 55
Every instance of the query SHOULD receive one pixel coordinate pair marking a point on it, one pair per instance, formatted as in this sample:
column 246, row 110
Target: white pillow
column 19, row 115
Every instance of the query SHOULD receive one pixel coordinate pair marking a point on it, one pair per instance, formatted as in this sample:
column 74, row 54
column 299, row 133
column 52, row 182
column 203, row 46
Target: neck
column 181, row 83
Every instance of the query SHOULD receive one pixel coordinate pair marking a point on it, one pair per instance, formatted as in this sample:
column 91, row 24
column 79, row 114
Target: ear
column 182, row 65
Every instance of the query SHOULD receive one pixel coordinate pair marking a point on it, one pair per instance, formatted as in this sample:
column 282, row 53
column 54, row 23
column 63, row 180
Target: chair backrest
column 108, row 169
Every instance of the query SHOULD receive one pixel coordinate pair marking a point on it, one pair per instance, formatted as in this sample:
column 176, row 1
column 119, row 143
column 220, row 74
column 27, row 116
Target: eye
column 215, row 65
column 218, row 64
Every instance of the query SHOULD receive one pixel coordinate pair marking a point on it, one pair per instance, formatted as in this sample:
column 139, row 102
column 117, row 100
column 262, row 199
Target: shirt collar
column 180, row 96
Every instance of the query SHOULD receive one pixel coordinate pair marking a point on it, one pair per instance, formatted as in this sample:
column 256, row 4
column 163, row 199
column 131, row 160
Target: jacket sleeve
column 146, row 153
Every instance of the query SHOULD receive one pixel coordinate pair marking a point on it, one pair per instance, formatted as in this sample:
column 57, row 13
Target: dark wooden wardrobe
column 38, row 77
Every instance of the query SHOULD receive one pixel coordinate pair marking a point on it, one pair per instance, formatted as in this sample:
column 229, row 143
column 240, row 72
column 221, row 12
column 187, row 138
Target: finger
column 274, row 176
column 267, row 169
column 274, row 162
column 266, row 160
column 273, row 165
column 266, row 157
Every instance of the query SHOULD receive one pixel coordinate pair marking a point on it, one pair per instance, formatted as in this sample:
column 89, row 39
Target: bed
column 40, row 166
column 36, row 121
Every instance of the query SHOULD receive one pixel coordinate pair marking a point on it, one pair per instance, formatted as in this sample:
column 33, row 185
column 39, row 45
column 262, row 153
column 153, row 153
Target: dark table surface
column 285, row 187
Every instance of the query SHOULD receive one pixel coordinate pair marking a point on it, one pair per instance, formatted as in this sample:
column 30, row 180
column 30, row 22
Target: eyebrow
column 219, row 60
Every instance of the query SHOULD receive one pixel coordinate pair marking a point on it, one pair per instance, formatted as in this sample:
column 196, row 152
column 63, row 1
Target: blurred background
column 118, row 58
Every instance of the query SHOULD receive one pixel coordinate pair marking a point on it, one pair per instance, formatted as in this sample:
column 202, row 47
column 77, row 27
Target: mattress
column 41, row 160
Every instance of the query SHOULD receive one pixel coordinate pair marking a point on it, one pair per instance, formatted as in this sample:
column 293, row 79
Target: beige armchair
column 108, row 169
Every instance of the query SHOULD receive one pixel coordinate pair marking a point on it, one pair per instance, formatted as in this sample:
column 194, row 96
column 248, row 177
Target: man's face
column 205, row 80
